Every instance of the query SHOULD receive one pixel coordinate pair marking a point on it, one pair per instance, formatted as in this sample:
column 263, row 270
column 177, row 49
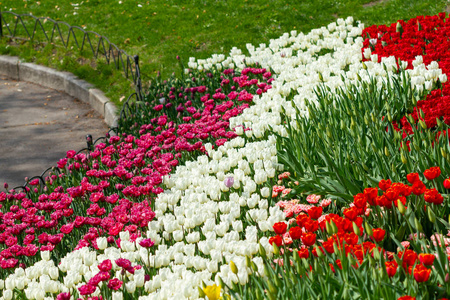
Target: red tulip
column 384, row 184
column 447, row 184
column 433, row 196
column 308, row 239
column 360, row 200
column 301, row 219
column 311, row 225
column 351, row 213
column 421, row 273
column 426, row 259
column 280, row 227
column 409, row 257
column 278, row 240
column 315, row 212
column 391, row 268
column 303, row 253
column 378, row 234
column 432, row 173
column 295, row 233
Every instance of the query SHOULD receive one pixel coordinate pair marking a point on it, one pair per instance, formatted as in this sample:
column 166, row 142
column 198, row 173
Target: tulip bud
column 386, row 152
column 233, row 267
column 364, row 66
column 320, row 77
column 401, row 207
column 262, row 251
column 328, row 228
column 410, row 119
column 272, row 288
column 248, row 261
column 254, row 267
column 418, row 225
column 404, row 160
column 221, row 283
column 334, row 227
column 423, row 124
column 276, row 250
column 389, row 116
column 366, row 120
column 431, row 215
column 356, row 229
column 368, row 228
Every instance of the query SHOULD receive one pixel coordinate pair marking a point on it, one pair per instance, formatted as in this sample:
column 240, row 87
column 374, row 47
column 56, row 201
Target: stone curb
column 12, row 67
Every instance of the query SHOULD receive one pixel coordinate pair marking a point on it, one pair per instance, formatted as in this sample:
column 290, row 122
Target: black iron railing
column 42, row 29
column 30, row 28
column 90, row 144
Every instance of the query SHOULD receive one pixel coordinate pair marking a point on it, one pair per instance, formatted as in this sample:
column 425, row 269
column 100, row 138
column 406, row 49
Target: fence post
column 138, row 77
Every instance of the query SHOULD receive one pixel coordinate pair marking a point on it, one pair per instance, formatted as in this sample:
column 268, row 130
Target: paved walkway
column 37, row 126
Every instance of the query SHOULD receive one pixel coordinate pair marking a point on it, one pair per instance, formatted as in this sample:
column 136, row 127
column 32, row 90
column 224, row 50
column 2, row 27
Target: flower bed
column 192, row 194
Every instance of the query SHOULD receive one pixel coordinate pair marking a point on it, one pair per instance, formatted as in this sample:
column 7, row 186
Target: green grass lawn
column 160, row 30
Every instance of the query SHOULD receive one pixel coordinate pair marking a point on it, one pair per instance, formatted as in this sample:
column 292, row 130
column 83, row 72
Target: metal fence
column 90, row 144
column 30, row 28
column 42, row 29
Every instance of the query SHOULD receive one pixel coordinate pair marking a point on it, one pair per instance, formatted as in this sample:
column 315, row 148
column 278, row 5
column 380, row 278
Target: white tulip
column 117, row 296
column 178, row 235
column 265, row 192
column 7, row 294
column 53, row 272
column 45, row 255
column 10, row 283
column 139, row 279
column 237, row 226
column 39, row 294
column 193, row 237
column 102, row 243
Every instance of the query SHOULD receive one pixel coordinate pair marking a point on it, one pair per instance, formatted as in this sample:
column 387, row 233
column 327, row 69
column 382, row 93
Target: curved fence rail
column 90, row 144
column 31, row 28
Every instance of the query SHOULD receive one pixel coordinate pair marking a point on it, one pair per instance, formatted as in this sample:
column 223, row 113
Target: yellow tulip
column 212, row 291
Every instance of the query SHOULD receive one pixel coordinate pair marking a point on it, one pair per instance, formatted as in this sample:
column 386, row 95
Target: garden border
column 12, row 67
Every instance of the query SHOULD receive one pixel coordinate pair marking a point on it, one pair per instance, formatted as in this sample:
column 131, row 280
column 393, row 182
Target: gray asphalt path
column 38, row 126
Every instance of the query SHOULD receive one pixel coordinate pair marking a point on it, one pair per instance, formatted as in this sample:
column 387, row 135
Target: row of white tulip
column 201, row 223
